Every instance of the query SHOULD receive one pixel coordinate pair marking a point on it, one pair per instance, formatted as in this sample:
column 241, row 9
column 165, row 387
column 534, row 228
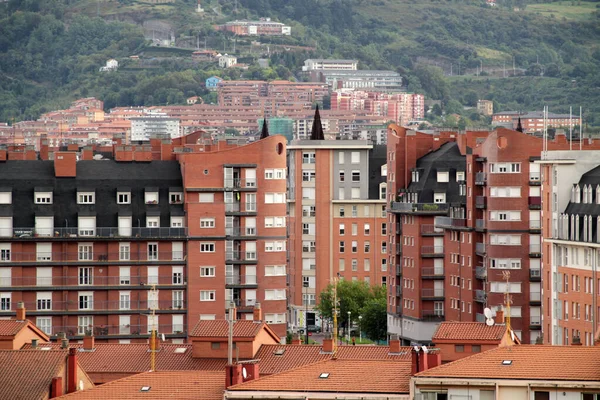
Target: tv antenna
column 153, row 336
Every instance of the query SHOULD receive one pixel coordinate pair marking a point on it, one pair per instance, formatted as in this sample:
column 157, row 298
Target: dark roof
column 591, row 209
column 377, row 158
column 264, row 133
column 317, row 129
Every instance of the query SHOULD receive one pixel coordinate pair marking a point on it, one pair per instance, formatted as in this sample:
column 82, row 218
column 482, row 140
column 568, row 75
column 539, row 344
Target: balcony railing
column 535, row 296
column 481, row 272
column 480, row 296
column 480, row 224
column 114, row 330
column 398, row 270
column 97, row 232
column 480, row 178
column 398, row 290
column 535, row 202
column 239, row 231
column 480, row 248
column 447, row 222
column 94, row 257
column 480, row 202
column 236, row 207
column 96, row 280
column 432, row 293
column 433, row 315
column 419, row 207
column 432, row 250
column 240, row 280
column 535, row 320
column 244, row 183
column 535, row 178
column 431, row 229
column 432, row 272
column 236, row 255
column 535, row 224
column 242, row 304
column 535, row 248
column 93, row 306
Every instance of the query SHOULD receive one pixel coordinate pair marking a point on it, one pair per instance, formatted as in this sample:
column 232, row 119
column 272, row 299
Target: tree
column 374, row 319
column 433, row 82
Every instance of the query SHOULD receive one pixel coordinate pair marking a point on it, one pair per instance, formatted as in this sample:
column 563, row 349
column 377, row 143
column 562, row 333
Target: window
column 5, row 251
column 5, row 301
column 123, row 198
column 152, row 251
column 43, row 198
column 177, row 323
column 341, row 157
column 505, row 240
column 501, row 287
column 207, row 247
column 342, row 247
column 460, row 176
column 124, row 275
column 354, row 246
column 355, row 211
column 86, row 226
column 476, row 348
column 86, row 197
column 505, row 215
column 275, row 270
column 84, row 324
column 459, row 348
column 151, row 196
column 505, row 191
column 274, row 294
column 45, row 324
column 308, row 157
column 355, row 157
column 278, row 198
column 439, row 197
column 355, row 193
column 308, row 193
column 177, row 297
column 6, row 276
column 176, row 222
column 44, row 300
column 206, row 198
column 44, row 276
column 152, row 222
column 382, row 191
column 175, row 197
column 384, row 229
column 86, row 300
column 207, row 223
column 383, row 247
column 342, row 176
column 308, row 176
column 309, row 246
column 153, row 275
column 355, row 176
column 308, row 229
column 250, row 201
column 177, row 273
column 354, row 265
column 44, row 226
column 443, row 176
column 354, row 229
column 308, row 211
column 207, row 295
column 124, row 300
column 367, row 247
column 275, row 318
column 86, row 275
column 505, row 263
column 367, row 229
column 309, row 264
column 124, row 251
column 342, row 212
column 342, row 229
column 5, row 197
column 206, row 272
column 274, row 246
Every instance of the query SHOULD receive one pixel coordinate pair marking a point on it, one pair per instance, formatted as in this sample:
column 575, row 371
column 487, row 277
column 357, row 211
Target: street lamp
column 360, row 328
column 305, row 284
column 349, row 321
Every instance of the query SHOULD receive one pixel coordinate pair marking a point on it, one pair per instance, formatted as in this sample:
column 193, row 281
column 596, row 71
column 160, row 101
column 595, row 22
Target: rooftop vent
column 507, row 362
column 324, row 375
column 279, row 352
column 145, row 389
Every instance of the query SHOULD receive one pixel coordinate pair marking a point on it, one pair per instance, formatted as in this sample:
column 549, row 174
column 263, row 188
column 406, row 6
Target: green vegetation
column 360, row 299
column 571, row 10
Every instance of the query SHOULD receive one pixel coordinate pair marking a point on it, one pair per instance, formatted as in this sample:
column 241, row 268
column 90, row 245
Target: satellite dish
column 489, row 322
column 425, row 349
column 163, row 337
column 81, row 385
column 416, row 348
column 488, row 313
column 244, row 373
column 512, row 335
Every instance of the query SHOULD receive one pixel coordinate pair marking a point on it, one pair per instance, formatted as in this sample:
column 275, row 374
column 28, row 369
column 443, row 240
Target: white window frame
column 207, row 247
column 208, row 295
column 207, row 271
column 86, row 198
column 43, row 301
column 123, row 197
column 151, row 197
column 43, row 197
column 207, row 223
column 175, row 197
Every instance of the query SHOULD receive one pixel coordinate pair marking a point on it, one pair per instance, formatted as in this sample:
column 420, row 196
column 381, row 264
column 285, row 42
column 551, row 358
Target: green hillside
column 453, row 50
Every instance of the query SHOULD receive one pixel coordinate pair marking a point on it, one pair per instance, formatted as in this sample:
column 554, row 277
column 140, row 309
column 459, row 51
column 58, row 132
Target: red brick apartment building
column 534, row 121
column 97, row 245
column 464, row 209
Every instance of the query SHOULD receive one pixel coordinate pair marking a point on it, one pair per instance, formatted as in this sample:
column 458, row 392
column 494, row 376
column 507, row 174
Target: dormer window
column 123, row 197
column 5, row 196
column 86, row 197
column 460, row 176
column 443, row 176
column 151, row 196
column 43, row 197
column 176, row 198
column 415, row 176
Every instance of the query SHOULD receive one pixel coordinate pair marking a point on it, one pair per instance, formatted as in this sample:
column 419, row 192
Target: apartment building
column 264, row 26
column 401, row 108
column 533, row 121
column 337, row 194
column 144, row 127
column 314, row 64
column 254, row 93
column 570, row 182
column 358, row 79
column 236, row 216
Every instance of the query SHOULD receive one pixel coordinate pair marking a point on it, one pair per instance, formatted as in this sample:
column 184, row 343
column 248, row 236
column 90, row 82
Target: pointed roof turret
column 519, row 126
column 264, row 133
column 317, row 128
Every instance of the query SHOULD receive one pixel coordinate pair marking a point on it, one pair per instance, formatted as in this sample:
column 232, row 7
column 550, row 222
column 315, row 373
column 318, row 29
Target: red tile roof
column 220, row 328
column 293, row 356
column 10, row 327
column 135, row 358
column 27, row 374
column 350, row 376
column 578, row 363
column 180, row 385
column 468, row 331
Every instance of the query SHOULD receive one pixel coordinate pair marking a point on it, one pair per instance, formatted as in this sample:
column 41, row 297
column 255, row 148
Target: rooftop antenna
column 580, row 130
column 571, row 128
column 153, row 350
column 231, row 321
column 507, row 300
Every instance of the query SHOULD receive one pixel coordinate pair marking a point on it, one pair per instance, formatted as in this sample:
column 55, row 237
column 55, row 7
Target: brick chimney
column 499, row 317
column 88, row 341
column 65, row 164
column 233, row 375
column 72, row 371
column 251, row 371
column 328, row 344
column 414, row 362
column 257, row 313
column 394, row 345
column 56, row 390
column 233, row 310
column 21, row 311
column 296, row 339
column 422, row 361
column 64, row 343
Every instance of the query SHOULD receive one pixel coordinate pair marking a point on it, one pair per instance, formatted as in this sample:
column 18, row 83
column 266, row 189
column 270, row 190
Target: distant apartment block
column 144, row 127
column 485, row 107
column 321, row 64
column 252, row 93
column 358, row 79
column 401, row 108
column 227, row 61
column 264, row 26
column 533, row 121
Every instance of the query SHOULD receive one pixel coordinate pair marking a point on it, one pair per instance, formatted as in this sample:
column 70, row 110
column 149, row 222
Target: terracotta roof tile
column 135, row 358
column 220, row 328
column 180, row 385
column 527, row 361
column 27, row 374
column 463, row 331
column 10, row 327
column 272, row 362
column 350, row 376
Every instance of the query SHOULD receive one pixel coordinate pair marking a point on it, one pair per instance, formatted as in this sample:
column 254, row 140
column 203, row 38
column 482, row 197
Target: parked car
column 311, row 328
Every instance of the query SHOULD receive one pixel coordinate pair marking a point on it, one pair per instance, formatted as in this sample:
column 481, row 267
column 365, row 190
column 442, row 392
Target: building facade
column 314, row 64
column 145, row 127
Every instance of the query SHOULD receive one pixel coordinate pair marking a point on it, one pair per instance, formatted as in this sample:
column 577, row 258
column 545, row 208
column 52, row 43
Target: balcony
column 450, row 223
column 240, row 257
column 431, row 230
column 535, row 202
column 535, row 250
column 95, row 258
column 480, row 296
column 77, row 234
column 240, row 281
column 535, row 275
column 244, row 184
column 432, row 273
column 432, row 251
column 535, row 226
column 481, row 202
column 95, row 307
column 237, row 209
column 480, row 178
column 481, row 273
column 535, row 298
column 118, row 331
column 398, row 270
column 535, row 179
column 419, row 208
column 398, row 228
column 237, row 231
column 480, row 248
column 398, row 249
column 398, row 310
column 74, row 282
column 432, row 294
column 480, row 225
column 242, row 305
column 398, row 291
column 433, row 315
column 535, row 322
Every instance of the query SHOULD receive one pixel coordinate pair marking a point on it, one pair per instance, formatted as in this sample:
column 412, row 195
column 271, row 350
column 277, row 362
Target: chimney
column 72, row 370
column 65, row 164
column 576, row 341
column 251, row 371
column 394, row 345
column 499, row 317
column 34, row 343
column 64, row 343
column 88, row 341
column 233, row 312
column 56, row 390
column 233, row 375
column 296, row 339
column 414, row 362
column 257, row 313
column 328, row 344
column 434, row 359
column 154, row 342
column 20, row 311
column 423, row 361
